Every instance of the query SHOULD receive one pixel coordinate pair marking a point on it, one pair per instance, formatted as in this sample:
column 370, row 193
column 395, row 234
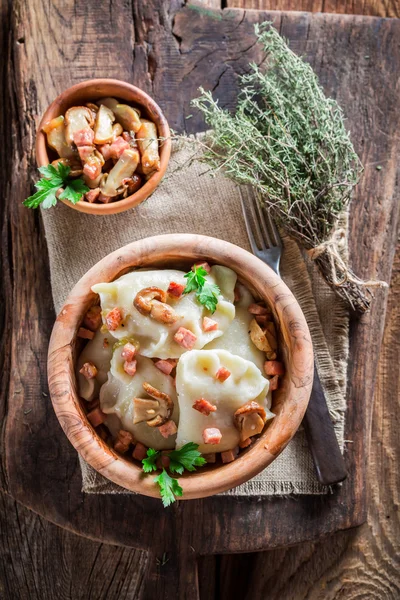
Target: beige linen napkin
column 190, row 200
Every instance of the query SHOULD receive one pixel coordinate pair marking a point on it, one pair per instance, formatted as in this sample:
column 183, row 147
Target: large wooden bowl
column 90, row 91
column 180, row 251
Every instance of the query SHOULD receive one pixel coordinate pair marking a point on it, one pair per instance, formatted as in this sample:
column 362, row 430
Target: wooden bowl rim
column 139, row 97
column 296, row 389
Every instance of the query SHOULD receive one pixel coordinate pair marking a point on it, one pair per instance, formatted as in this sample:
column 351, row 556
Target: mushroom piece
column 126, row 115
column 55, row 132
column 264, row 339
column 73, row 164
column 92, row 183
column 163, row 313
column 76, row 119
column 249, row 419
column 103, row 127
column 117, row 130
column 123, row 169
column 93, row 165
column 155, row 412
column 148, row 146
column 143, row 299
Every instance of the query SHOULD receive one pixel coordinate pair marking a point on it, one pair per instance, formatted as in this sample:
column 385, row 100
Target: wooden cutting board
column 169, row 51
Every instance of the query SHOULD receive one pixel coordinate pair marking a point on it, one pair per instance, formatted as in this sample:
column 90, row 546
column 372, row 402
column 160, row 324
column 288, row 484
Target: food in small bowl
column 184, row 366
column 107, row 143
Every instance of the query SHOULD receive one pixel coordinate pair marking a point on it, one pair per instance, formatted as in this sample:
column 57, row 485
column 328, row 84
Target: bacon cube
column 212, row 435
column 209, row 324
column 130, row 367
column 96, row 417
column 117, row 148
column 83, row 137
column 114, row 319
column 86, row 334
column 274, row 383
column 222, row 374
column 92, row 319
column 128, row 352
column 274, row 367
column 228, row 456
column 91, row 170
column 262, row 320
column 185, row 338
column 210, row 458
column 169, row 428
column 88, row 370
column 166, row 366
column 204, row 406
column 92, row 195
column 140, row 451
column 104, row 199
column 175, row 289
column 257, row 309
column 205, row 266
column 105, row 150
column 124, row 440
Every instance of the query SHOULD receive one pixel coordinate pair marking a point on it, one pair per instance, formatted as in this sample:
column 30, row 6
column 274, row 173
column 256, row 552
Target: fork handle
column 328, row 459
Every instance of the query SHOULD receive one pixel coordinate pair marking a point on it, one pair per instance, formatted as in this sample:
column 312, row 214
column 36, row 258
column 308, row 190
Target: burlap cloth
column 191, row 200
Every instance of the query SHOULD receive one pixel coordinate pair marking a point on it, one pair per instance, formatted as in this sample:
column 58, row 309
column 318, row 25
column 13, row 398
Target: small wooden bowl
column 90, row 91
column 180, row 251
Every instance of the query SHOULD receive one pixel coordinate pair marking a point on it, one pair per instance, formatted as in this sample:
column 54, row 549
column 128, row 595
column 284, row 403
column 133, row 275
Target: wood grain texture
column 168, row 54
column 372, row 8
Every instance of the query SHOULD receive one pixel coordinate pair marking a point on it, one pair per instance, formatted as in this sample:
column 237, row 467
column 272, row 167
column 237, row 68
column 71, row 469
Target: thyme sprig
column 289, row 141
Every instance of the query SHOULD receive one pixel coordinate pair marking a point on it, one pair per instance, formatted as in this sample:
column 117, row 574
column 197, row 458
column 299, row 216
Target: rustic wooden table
column 169, row 49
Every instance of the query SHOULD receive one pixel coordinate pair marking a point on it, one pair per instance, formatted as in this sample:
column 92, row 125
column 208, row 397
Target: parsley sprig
column 54, row 178
column 206, row 293
column 187, row 457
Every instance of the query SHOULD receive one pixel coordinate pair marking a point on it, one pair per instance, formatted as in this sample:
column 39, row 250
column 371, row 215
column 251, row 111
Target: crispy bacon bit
column 169, row 428
column 83, row 137
column 263, row 319
column 245, row 443
column 185, row 338
column 205, row 266
column 128, row 352
column 257, row 309
column 114, row 319
column 166, row 366
column 210, row 458
column 204, row 406
column 86, row 334
column 228, row 456
column 274, row 383
column 96, row 417
column 105, row 150
column 92, row 170
column 237, row 294
column 104, row 199
column 212, row 435
column 140, row 451
column 209, row 324
column 117, row 148
column 92, row 195
column 130, row 367
column 89, row 370
column 92, row 319
column 222, row 374
column 274, row 367
column 124, row 440
column 175, row 289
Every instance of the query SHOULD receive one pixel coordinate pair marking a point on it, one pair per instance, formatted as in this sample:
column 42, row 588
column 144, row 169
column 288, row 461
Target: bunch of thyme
column 289, row 141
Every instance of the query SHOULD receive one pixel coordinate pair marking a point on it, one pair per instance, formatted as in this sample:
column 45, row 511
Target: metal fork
column 266, row 244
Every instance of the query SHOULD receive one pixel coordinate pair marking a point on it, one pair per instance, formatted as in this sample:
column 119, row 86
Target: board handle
column 321, row 437
column 171, row 575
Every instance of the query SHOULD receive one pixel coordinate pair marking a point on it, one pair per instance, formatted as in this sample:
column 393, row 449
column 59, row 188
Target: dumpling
column 117, row 394
column 195, row 379
column 157, row 339
column 99, row 352
column 236, row 338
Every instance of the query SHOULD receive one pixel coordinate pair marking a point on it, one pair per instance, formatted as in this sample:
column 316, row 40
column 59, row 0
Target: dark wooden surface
column 168, row 54
column 373, row 8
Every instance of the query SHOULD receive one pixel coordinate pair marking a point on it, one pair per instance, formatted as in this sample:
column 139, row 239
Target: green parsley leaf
column 74, row 190
column 208, row 296
column 169, row 488
column 196, row 280
column 53, row 178
column 187, row 457
column 149, row 463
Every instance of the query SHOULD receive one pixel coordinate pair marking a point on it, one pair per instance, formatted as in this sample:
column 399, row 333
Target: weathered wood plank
column 170, row 54
column 372, row 8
